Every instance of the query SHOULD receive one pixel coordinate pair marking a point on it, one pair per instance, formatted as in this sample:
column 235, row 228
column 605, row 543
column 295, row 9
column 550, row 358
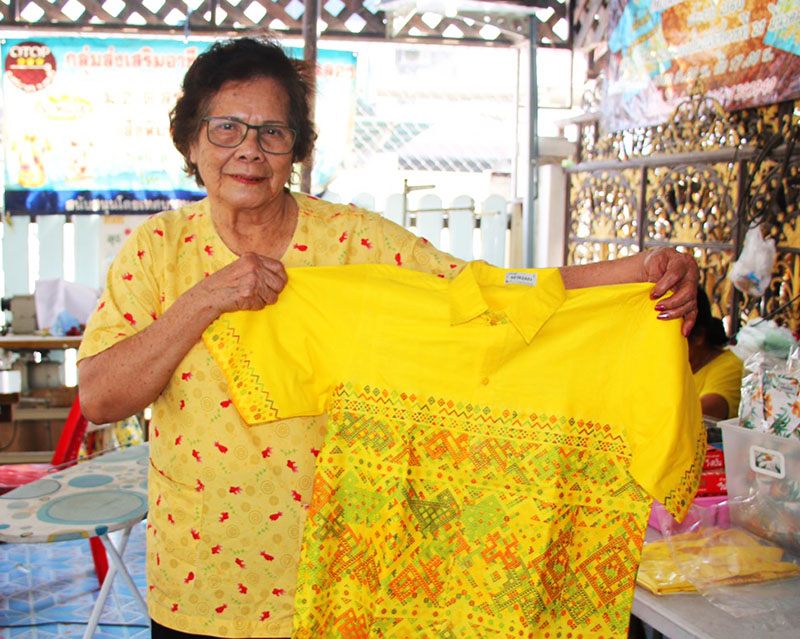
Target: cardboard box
column 715, row 459
column 713, row 483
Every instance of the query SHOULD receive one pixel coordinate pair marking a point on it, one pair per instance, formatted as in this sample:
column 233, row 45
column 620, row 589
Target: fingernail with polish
column 663, row 316
column 659, row 307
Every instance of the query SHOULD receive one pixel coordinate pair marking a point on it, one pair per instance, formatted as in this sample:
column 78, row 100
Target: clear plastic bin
column 763, row 474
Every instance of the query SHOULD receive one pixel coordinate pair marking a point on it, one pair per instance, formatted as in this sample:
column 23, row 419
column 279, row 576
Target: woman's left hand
column 673, row 271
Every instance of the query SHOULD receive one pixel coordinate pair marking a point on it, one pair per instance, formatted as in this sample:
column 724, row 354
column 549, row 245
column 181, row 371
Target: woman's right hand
column 151, row 355
column 248, row 284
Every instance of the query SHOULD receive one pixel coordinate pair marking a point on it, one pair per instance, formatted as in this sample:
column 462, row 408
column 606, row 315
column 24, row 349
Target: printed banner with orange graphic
column 743, row 53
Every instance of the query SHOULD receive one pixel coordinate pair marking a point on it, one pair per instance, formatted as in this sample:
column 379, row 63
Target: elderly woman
column 227, row 501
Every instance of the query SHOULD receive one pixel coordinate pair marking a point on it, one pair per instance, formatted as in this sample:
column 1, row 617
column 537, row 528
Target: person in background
column 227, row 502
column 717, row 370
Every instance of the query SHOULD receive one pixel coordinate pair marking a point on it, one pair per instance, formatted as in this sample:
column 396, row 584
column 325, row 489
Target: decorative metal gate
column 696, row 183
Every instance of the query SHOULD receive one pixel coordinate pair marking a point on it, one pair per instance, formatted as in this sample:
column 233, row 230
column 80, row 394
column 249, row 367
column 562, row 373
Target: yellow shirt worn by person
column 489, row 464
column 228, row 502
column 722, row 376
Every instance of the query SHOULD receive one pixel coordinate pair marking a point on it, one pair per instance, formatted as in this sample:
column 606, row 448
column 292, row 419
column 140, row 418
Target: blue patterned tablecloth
column 89, row 499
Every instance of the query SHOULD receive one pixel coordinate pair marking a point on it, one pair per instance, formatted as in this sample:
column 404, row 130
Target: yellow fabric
column 715, row 557
column 228, row 502
column 490, row 464
column 722, row 376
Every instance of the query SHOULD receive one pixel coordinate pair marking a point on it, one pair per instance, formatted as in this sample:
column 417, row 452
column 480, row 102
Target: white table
column 91, row 499
column 690, row 616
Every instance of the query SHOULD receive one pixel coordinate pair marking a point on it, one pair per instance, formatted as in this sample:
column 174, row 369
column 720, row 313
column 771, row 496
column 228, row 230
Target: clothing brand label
column 515, row 277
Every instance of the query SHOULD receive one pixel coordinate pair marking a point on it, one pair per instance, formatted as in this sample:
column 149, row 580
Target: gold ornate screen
column 697, row 184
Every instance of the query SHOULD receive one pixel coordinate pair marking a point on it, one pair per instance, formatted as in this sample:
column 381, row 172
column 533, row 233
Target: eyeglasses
column 229, row 132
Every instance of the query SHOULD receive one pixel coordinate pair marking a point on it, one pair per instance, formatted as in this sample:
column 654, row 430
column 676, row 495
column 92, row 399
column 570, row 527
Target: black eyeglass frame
column 249, row 126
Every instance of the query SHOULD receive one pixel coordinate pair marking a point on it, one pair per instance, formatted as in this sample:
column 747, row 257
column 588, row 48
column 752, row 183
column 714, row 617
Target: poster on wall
column 86, row 123
column 743, row 53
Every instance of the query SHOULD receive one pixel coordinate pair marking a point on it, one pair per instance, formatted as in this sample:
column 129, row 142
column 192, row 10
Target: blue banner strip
column 110, row 202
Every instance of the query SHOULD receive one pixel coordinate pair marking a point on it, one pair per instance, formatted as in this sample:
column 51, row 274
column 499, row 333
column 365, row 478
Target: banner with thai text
column 743, row 53
column 86, row 123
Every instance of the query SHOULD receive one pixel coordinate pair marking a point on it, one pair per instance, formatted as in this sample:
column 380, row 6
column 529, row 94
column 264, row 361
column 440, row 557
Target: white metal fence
column 79, row 249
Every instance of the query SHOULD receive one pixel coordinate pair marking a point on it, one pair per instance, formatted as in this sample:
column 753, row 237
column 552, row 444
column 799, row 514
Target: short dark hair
column 241, row 59
column 706, row 323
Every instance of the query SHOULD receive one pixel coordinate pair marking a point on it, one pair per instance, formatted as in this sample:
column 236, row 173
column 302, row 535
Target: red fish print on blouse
column 188, row 238
column 278, row 592
column 398, row 259
column 239, row 562
column 195, row 534
column 366, row 242
column 221, row 448
column 130, row 319
column 342, row 237
column 140, row 254
column 221, row 609
column 223, row 517
column 264, row 615
column 291, row 465
column 267, row 556
column 297, row 496
column 196, row 455
column 215, row 550
column 174, row 608
column 200, row 486
column 235, row 490
column 315, row 452
column 189, row 578
column 276, row 516
column 178, row 440
column 158, row 232
column 300, row 247
column 225, row 403
column 209, row 249
column 127, row 277
column 242, row 589
column 186, row 376
column 266, row 452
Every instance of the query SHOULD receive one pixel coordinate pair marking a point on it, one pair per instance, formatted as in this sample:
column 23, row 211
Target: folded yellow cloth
column 714, row 557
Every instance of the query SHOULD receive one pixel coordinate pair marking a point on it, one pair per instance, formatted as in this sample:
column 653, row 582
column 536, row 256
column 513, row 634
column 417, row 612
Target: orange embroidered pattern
column 433, row 516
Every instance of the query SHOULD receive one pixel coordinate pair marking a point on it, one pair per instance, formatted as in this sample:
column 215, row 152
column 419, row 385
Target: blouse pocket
column 173, row 525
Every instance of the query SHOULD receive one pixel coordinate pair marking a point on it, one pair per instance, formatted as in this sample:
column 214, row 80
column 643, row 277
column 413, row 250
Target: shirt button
column 485, row 381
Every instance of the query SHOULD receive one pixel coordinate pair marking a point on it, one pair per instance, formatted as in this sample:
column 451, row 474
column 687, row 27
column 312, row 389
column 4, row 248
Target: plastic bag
column 770, row 397
column 731, row 568
column 752, row 272
column 764, row 336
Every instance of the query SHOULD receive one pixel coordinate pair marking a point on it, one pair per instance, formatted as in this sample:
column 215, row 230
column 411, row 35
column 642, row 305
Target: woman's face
column 244, row 177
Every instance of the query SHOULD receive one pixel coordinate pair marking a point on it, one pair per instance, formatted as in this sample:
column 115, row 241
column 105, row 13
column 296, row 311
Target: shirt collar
column 532, row 305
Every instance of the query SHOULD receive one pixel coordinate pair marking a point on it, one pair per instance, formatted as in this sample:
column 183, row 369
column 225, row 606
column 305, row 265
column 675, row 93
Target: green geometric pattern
column 442, row 519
